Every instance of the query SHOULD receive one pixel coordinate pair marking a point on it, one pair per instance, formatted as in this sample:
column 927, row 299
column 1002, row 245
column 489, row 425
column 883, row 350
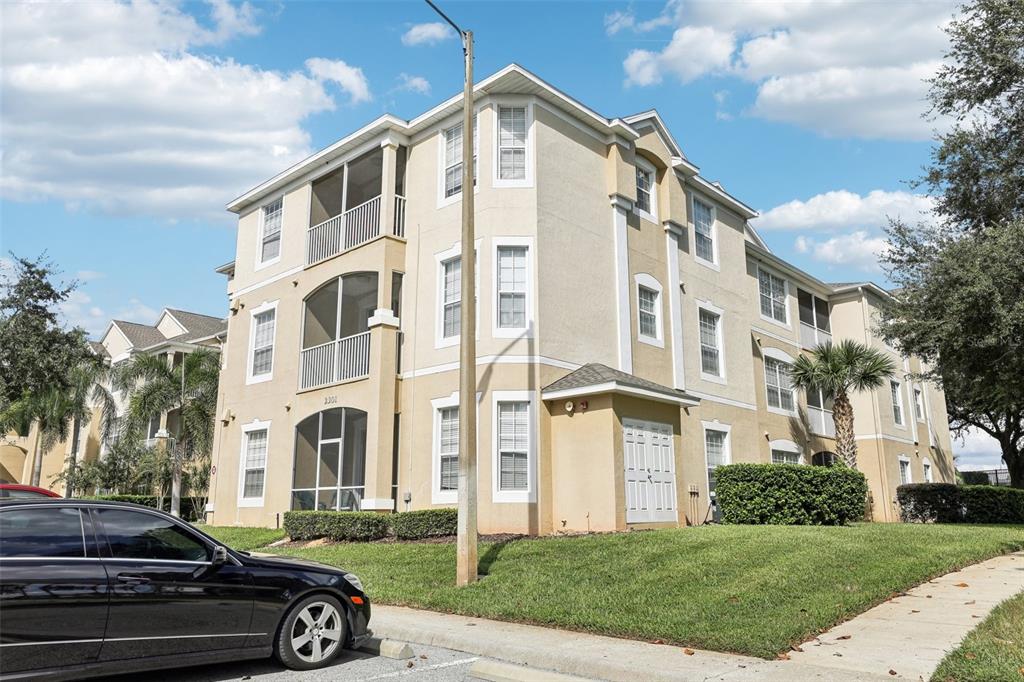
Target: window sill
column 772, row 320
column 713, row 378
column 782, row 412
column 266, row 264
column 512, row 332
column 513, row 497
column 649, row 217
column 250, row 502
column 521, row 183
column 443, row 201
column 445, row 497
column 262, row 378
column 710, row 265
column 651, row 341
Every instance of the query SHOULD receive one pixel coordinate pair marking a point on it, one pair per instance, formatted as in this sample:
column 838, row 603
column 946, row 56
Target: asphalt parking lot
column 430, row 664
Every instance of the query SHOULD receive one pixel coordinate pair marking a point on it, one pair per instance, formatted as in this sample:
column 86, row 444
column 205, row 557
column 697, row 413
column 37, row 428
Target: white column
column 673, row 233
column 620, row 206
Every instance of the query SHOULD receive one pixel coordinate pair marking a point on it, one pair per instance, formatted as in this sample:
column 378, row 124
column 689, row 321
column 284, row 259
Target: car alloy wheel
column 317, row 632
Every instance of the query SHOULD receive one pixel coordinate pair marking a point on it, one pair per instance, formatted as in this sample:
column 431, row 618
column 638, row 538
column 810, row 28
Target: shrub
column 192, row 508
column 949, row 503
column 975, row 478
column 785, row 494
column 334, row 525
column 426, row 523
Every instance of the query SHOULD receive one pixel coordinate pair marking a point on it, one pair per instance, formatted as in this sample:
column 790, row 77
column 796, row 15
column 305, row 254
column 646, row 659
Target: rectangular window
column 897, row 402
column 918, row 404
column 780, row 389
column 452, row 297
column 453, row 158
column 514, row 445
column 714, row 452
column 512, row 143
column 449, row 448
column 703, row 230
column 710, row 353
column 255, row 463
column 512, row 275
column 644, row 184
column 904, row 472
column 813, row 310
column 648, row 304
column 785, row 457
column 928, row 473
column 263, row 342
column 272, row 218
column 773, row 296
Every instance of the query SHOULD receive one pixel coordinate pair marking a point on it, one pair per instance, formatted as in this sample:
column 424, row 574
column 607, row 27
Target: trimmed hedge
column 975, row 478
column 950, row 503
column 333, row 525
column 787, row 494
column 426, row 523
column 192, row 508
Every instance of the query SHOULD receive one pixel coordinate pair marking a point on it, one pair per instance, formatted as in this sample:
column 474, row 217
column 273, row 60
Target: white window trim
column 785, row 288
column 261, row 264
column 785, row 445
column 440, row 341
column 902, row 424
column 262, row 308
column 443, row 127
column 929, row 470
column 781, row 356
column 648, row 167
column 254, row 425
column 438, row 496
column 496, row 104
column 910, row 470
column 512, row 332
column 714, row 264
column 642, row 279
column 712, row 308
column 514, row 496
column 726, row 444
column 915, row 391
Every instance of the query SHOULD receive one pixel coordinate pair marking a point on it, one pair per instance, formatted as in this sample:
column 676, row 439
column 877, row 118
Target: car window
column 137, row 535
column 41, row 532
column 14, row 493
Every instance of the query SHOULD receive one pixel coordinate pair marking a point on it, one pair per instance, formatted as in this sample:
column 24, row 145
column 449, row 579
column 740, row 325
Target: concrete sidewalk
column 902, row 638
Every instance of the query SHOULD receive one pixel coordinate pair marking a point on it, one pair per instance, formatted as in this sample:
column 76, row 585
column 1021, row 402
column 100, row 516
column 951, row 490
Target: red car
column 18, row 491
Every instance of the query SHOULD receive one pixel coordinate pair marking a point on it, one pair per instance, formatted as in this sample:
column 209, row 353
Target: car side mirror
column 220, row 555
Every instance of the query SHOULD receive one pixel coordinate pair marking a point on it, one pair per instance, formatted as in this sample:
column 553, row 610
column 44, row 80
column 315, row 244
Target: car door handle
column 132, row 579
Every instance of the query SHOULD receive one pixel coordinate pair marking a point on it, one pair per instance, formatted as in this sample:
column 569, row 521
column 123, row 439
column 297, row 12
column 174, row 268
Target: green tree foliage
column 37, row 354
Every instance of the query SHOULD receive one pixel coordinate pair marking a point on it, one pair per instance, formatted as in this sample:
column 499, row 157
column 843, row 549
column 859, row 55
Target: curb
column 499, row 671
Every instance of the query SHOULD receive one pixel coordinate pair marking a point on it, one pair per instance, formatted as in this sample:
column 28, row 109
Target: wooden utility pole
column 466, row 563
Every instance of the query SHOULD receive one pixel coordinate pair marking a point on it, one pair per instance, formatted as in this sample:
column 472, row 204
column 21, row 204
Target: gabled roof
column 198, row 326
column 595, row 378
column 98, row 349
column 139, row 335
column 652, row 118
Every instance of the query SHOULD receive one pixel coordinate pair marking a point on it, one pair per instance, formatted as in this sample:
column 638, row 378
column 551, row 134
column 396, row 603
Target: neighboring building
column 176, row 333
column 633, row 329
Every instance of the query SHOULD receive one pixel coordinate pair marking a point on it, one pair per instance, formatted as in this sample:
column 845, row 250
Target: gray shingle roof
column 140, row 335
column 198, row 326
column 595, row 374
column 99, row 349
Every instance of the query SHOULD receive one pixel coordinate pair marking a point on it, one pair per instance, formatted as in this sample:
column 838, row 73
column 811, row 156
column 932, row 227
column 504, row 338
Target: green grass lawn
column 994, row 651
column 244, row 539
column 748, row 589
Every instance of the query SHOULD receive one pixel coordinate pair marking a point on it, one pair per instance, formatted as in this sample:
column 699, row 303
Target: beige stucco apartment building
column 175, row 333
column 633, row 330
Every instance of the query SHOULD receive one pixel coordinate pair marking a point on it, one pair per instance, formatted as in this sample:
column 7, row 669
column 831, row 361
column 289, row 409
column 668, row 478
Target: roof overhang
column 864, row 286
column 685, row 400
column 774, row 261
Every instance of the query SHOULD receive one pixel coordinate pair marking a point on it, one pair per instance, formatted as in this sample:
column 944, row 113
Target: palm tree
column 154, row 387
column 837, row 370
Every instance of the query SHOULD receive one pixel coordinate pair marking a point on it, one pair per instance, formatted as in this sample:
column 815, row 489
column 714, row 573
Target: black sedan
column 94, row 588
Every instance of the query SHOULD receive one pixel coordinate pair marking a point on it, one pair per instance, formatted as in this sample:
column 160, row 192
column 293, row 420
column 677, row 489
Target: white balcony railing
column 821, row 422
column 343, row 232
column 334, row 361
column 812, row 336
column 399, row 227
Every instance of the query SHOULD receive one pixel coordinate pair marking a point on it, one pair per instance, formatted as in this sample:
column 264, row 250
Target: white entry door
column 650, row 471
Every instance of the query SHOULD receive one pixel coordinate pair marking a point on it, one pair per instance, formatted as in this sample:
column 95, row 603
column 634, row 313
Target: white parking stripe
column 414, row 670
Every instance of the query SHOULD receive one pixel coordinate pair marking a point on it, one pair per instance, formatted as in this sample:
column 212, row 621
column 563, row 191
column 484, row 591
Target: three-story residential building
column 633, row 330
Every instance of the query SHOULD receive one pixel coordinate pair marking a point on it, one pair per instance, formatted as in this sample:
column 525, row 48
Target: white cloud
column 977, row 450
column 350, row 78
column 107, row 107
column 427, row 34
column 622, row 21
column 857, row 249
column 414, row 84
column 839, row 68
column 842, row 210
column 136, row 311
column 89, row 275
column 80, row 311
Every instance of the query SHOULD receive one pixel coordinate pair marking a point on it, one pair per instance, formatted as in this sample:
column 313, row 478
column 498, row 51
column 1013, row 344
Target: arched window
column 330, row 460
column 824, row 459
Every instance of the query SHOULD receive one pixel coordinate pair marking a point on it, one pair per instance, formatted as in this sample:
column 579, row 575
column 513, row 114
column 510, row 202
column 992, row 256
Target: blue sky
column 128, row 127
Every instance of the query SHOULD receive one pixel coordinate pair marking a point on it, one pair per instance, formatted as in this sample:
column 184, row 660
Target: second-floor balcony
column 357, row 203
column 335, row 361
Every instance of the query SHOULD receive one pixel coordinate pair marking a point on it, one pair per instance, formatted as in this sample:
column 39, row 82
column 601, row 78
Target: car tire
column 313, row 633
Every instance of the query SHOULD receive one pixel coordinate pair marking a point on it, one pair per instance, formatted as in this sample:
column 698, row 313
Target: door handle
column 132, row 579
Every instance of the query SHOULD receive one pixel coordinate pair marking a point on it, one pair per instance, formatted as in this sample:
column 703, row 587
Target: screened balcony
column 815, row 327
column 347, row 210
column 330, row 460
column 335, row 336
